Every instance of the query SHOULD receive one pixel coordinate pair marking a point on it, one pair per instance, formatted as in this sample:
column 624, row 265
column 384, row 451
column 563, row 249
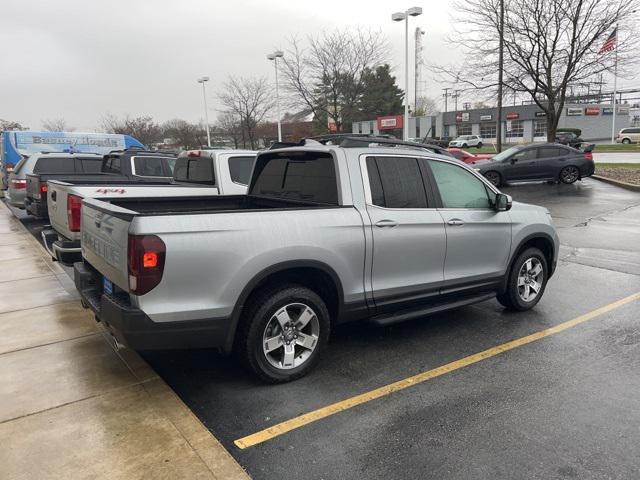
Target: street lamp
column 202, row 80
column 275, row 56
column 398, row 17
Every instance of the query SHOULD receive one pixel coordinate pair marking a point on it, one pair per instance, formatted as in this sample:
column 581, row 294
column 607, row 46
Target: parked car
column 466, row 141
column 569, row 138
column 122, row 166
column 468, row 157
column 546, row 161
column 268, row 274
column 48, row 163
column 196, row 173
column 628, row 135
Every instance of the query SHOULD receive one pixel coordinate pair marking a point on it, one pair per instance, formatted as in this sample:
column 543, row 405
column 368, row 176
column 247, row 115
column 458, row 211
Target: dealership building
column 521, row 123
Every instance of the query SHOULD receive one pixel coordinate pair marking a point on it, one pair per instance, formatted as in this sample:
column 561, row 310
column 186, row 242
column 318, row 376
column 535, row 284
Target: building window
column 446, row 132
column 464, row 129
column 540, row 128
column 488, row 131
column 517, row 129
column 371, row 127
column 359, row 127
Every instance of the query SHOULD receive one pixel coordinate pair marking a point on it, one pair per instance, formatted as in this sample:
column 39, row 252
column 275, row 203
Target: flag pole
column 615, row 87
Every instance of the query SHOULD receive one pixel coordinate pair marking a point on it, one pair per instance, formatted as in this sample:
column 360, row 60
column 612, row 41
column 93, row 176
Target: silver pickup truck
column 196, row 173
column 327, row 234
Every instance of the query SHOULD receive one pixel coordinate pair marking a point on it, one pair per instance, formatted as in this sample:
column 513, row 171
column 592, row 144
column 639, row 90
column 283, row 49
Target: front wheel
column 527, row 281
column 494, row 178
column 464, row 145
column 283, row 332
column 569, row 174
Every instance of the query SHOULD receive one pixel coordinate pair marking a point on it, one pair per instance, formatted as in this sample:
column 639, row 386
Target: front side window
column 396, row 182
column 240, row 169
column 527, row 154
column 458, row 187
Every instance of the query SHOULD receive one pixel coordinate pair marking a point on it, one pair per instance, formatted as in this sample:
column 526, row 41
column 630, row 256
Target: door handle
column 386, row 224
column 455, row 222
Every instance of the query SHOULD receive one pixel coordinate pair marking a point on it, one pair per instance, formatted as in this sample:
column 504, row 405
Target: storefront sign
column 541, row 114
column 390, row 122
column 592, row 111
column 509, row 126
column 486, row 118
column 574, row 111
column 462, row 117
column 607, row 110
column 513, row 115
column 623, row 109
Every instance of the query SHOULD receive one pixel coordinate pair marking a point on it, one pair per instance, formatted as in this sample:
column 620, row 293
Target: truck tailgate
column 33, row 186
column 105, row 232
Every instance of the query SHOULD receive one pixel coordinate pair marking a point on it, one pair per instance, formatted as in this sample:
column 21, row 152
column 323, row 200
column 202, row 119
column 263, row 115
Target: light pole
column 398, row 17
column 202, row 80
column 275, row 56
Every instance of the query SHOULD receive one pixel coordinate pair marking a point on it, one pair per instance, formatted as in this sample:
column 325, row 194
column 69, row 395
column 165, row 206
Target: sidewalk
column 71, row 406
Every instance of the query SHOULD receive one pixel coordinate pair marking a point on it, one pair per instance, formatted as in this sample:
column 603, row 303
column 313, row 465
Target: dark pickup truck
column 119, row 167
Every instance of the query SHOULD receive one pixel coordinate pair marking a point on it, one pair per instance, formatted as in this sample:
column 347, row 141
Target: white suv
column 466, row 141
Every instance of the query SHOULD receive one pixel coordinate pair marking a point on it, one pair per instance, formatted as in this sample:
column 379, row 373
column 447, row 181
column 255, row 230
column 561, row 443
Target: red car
column 467, row 157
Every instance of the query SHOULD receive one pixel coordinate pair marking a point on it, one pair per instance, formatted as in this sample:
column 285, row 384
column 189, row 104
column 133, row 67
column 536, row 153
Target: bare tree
column 249, row 100
column 327, row 76
column 186, row 134
column 549, row 45
column 142, row 128
column 11, row 125
column 56, row 125
column 426, row 106
column 228, row 124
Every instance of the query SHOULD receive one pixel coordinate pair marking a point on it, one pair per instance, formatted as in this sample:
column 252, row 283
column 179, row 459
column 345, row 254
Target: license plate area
column 107, row 286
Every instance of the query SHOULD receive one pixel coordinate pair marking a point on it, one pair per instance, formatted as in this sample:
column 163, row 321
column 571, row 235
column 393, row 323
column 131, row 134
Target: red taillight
column 43, row 188
column 146, row 254
column 74, row 208
column 18, row 184
column 588, row 156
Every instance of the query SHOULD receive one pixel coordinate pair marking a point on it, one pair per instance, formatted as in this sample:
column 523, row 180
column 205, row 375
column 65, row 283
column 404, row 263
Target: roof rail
column 363, row 142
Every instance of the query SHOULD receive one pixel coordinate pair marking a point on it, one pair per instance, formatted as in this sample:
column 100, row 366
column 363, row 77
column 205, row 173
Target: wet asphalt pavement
column 566, row 406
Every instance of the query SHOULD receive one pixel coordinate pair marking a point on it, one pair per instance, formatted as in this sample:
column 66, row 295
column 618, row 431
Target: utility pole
column 615, row 87
column 456, row 94
column 446, row 96
column 500, row 68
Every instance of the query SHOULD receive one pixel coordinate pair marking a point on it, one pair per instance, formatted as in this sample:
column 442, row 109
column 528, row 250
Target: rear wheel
column 527, row 281
column 626, row 141
column 494, row 178
column 283, row 332
column 479, row 145
column 569, row 174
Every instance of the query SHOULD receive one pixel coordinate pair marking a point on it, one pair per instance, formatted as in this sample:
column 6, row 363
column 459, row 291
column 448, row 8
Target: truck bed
column 199, row 205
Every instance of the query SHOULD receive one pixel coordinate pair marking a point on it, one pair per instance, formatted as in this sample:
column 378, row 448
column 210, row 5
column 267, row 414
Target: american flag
column 610, row 43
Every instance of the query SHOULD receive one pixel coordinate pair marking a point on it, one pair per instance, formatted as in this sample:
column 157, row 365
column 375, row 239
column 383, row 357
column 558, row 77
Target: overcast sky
column 78, row 60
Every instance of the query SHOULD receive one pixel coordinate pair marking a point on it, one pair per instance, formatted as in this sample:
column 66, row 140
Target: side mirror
column 513, row 160
column 503, row 202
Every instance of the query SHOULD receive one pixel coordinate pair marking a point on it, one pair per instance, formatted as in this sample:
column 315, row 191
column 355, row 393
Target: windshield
column 506, row 154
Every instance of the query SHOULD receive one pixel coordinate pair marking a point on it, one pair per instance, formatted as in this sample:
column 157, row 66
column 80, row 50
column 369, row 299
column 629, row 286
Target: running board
column 403, row 315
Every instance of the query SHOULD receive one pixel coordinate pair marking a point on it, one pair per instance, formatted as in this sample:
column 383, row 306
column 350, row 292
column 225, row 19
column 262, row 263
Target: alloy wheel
column 569, row 174
column 530, row 278
column 291, row 336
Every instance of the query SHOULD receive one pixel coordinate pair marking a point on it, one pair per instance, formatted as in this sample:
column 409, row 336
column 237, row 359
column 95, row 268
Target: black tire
column 569, row 174
column 511, row 298
column 626, row 141
column 255, row 319
column 479, row 145
column 464, row 145
column 494, row 177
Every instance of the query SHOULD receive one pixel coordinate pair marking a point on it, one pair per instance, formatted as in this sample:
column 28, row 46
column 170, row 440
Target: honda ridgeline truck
column 326, row 234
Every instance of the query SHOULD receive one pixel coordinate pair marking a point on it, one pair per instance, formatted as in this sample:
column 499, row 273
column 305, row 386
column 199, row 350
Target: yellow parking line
column 315, row 415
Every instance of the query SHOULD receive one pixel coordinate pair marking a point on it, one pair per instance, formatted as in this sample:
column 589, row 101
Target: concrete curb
column 628, row 186
column 163, row 399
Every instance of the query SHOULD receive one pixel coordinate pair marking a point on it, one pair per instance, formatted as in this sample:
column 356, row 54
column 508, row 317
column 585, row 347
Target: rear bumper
column 133, row 328
column 62, row 249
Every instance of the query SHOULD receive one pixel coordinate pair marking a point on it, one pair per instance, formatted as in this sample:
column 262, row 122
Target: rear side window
column 459, row 188
column 149, row 166
column 194, row 169
column 396, row 182
column 309, row 177
column 55, row 165
column 240, row 169
column 111, row 165
column 90, row 165
column 551, row 152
